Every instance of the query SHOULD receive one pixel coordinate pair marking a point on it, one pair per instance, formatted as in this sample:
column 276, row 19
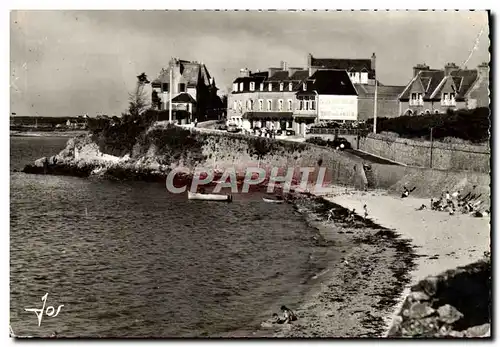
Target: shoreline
column 442, row 242
column 69, row 134
column 394, row 248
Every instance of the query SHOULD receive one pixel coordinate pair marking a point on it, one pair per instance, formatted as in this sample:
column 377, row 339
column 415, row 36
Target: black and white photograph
column 224, row 174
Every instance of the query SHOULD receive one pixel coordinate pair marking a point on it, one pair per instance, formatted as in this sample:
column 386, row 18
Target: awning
column 268, row 115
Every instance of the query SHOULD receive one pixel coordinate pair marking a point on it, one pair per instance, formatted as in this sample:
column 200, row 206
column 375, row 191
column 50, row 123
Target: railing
column 448, row 102
column 416, row 103
column 335, row 131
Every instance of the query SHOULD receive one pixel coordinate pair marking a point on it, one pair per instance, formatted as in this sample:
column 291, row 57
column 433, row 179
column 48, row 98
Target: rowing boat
column 272, row 200
column 211, row 197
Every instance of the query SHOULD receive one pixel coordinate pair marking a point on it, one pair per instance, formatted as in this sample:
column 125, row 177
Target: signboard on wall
column 337, row 107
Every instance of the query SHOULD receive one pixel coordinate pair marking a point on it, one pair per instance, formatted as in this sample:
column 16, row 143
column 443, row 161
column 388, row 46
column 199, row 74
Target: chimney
column 374, row 59
column 283, row 65
column 448, row 68
column 309, row 60
column 418, row 68
column 483, row 70
column 244, row 72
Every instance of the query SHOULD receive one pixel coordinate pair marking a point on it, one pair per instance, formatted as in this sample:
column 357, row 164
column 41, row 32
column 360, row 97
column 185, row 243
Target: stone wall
column 418, row 153
column 456, row 304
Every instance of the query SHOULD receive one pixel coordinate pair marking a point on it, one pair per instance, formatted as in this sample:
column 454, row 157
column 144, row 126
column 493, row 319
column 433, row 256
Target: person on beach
column 350, row 216
column 407, row 192
column 288, row 314
column 330, row 214
column 423, row 207
column 447, row 196
column 365, row 211
column 277, row 320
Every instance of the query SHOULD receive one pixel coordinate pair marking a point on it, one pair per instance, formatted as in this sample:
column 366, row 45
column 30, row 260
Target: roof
column 281, row 75
column 351, row 65
column 330, row 82
column 434, row 80
column 300, row 75
column 192, row 73
column 184, row 97
column 266, row 115
column 369, row 90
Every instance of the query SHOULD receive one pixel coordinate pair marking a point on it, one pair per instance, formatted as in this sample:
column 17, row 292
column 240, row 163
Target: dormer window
column 304, row 87
column 235, row 87
column 241, row 86
column 290, row 87
column 281, row 86
column 261, row 105
column 262, row 87
column 280, row 105
column 252, row 86
column 270, row 87
column 448, row 99
column 290, row 105
column 416, row 99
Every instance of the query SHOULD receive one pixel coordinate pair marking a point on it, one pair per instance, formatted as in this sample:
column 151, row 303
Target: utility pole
column 432, row 128
column 170, row 92
column 375, row 106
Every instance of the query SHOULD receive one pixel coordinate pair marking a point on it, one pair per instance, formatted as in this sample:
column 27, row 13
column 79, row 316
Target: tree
column 138, row 101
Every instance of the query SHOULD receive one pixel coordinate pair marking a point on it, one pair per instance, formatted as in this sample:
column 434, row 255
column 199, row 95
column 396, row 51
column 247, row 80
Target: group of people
column 451, row 203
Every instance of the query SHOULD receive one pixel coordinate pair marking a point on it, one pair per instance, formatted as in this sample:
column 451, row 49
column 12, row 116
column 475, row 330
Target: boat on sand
column 211, row 197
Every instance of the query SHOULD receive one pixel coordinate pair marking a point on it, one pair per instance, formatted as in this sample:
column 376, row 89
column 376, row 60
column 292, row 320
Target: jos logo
column 50, row 311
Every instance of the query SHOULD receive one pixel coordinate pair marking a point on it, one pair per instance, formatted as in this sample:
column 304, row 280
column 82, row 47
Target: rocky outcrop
column 454, row 304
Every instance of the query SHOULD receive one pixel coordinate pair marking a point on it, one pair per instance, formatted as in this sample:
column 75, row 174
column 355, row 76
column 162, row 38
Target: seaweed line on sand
column 357, row 297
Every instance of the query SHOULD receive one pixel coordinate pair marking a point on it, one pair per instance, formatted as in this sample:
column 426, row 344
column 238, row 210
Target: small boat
column 212, row 197
column 275, row 200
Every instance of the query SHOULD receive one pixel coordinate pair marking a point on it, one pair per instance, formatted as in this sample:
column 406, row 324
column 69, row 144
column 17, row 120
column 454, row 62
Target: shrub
column 470, row 125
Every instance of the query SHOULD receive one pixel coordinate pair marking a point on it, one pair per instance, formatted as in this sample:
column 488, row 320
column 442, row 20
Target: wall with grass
column 445, row 156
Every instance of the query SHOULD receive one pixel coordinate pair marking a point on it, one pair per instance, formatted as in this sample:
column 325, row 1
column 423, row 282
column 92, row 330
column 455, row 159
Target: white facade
column 337, row 107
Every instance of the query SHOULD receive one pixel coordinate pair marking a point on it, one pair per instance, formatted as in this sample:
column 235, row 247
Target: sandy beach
column 382, row 258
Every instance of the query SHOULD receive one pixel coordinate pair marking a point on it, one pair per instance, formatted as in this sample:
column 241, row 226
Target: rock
column 420, row 310
column 430, row 285
column 449, row 314
column 483, row 330
column 454, row 333
column 419, row 296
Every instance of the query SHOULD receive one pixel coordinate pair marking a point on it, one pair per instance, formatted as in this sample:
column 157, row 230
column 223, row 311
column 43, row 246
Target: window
column 261, row 105
column 356, row 76
column 452, row 98
column 364, row 77
column 290, row 105
column 240, row 106
column 270, row 87
column 235, row 105
column 281, row 86
column 306, row 102
column 249, row 104
column 235, row 87
column 313, row 104
column 289, row 124
column 301, row 104
column 269, row 105
column 262, row 87
column 241, row 86
column 290, row 87
column 416, row 99
column 427, row 112
column 436, row 111
column 164, row 87
column 182, row 87
column 304, row 87
column 252, row 86
column 280, row 105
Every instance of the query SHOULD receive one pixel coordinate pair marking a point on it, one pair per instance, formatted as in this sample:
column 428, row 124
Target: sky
column 65, row 63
